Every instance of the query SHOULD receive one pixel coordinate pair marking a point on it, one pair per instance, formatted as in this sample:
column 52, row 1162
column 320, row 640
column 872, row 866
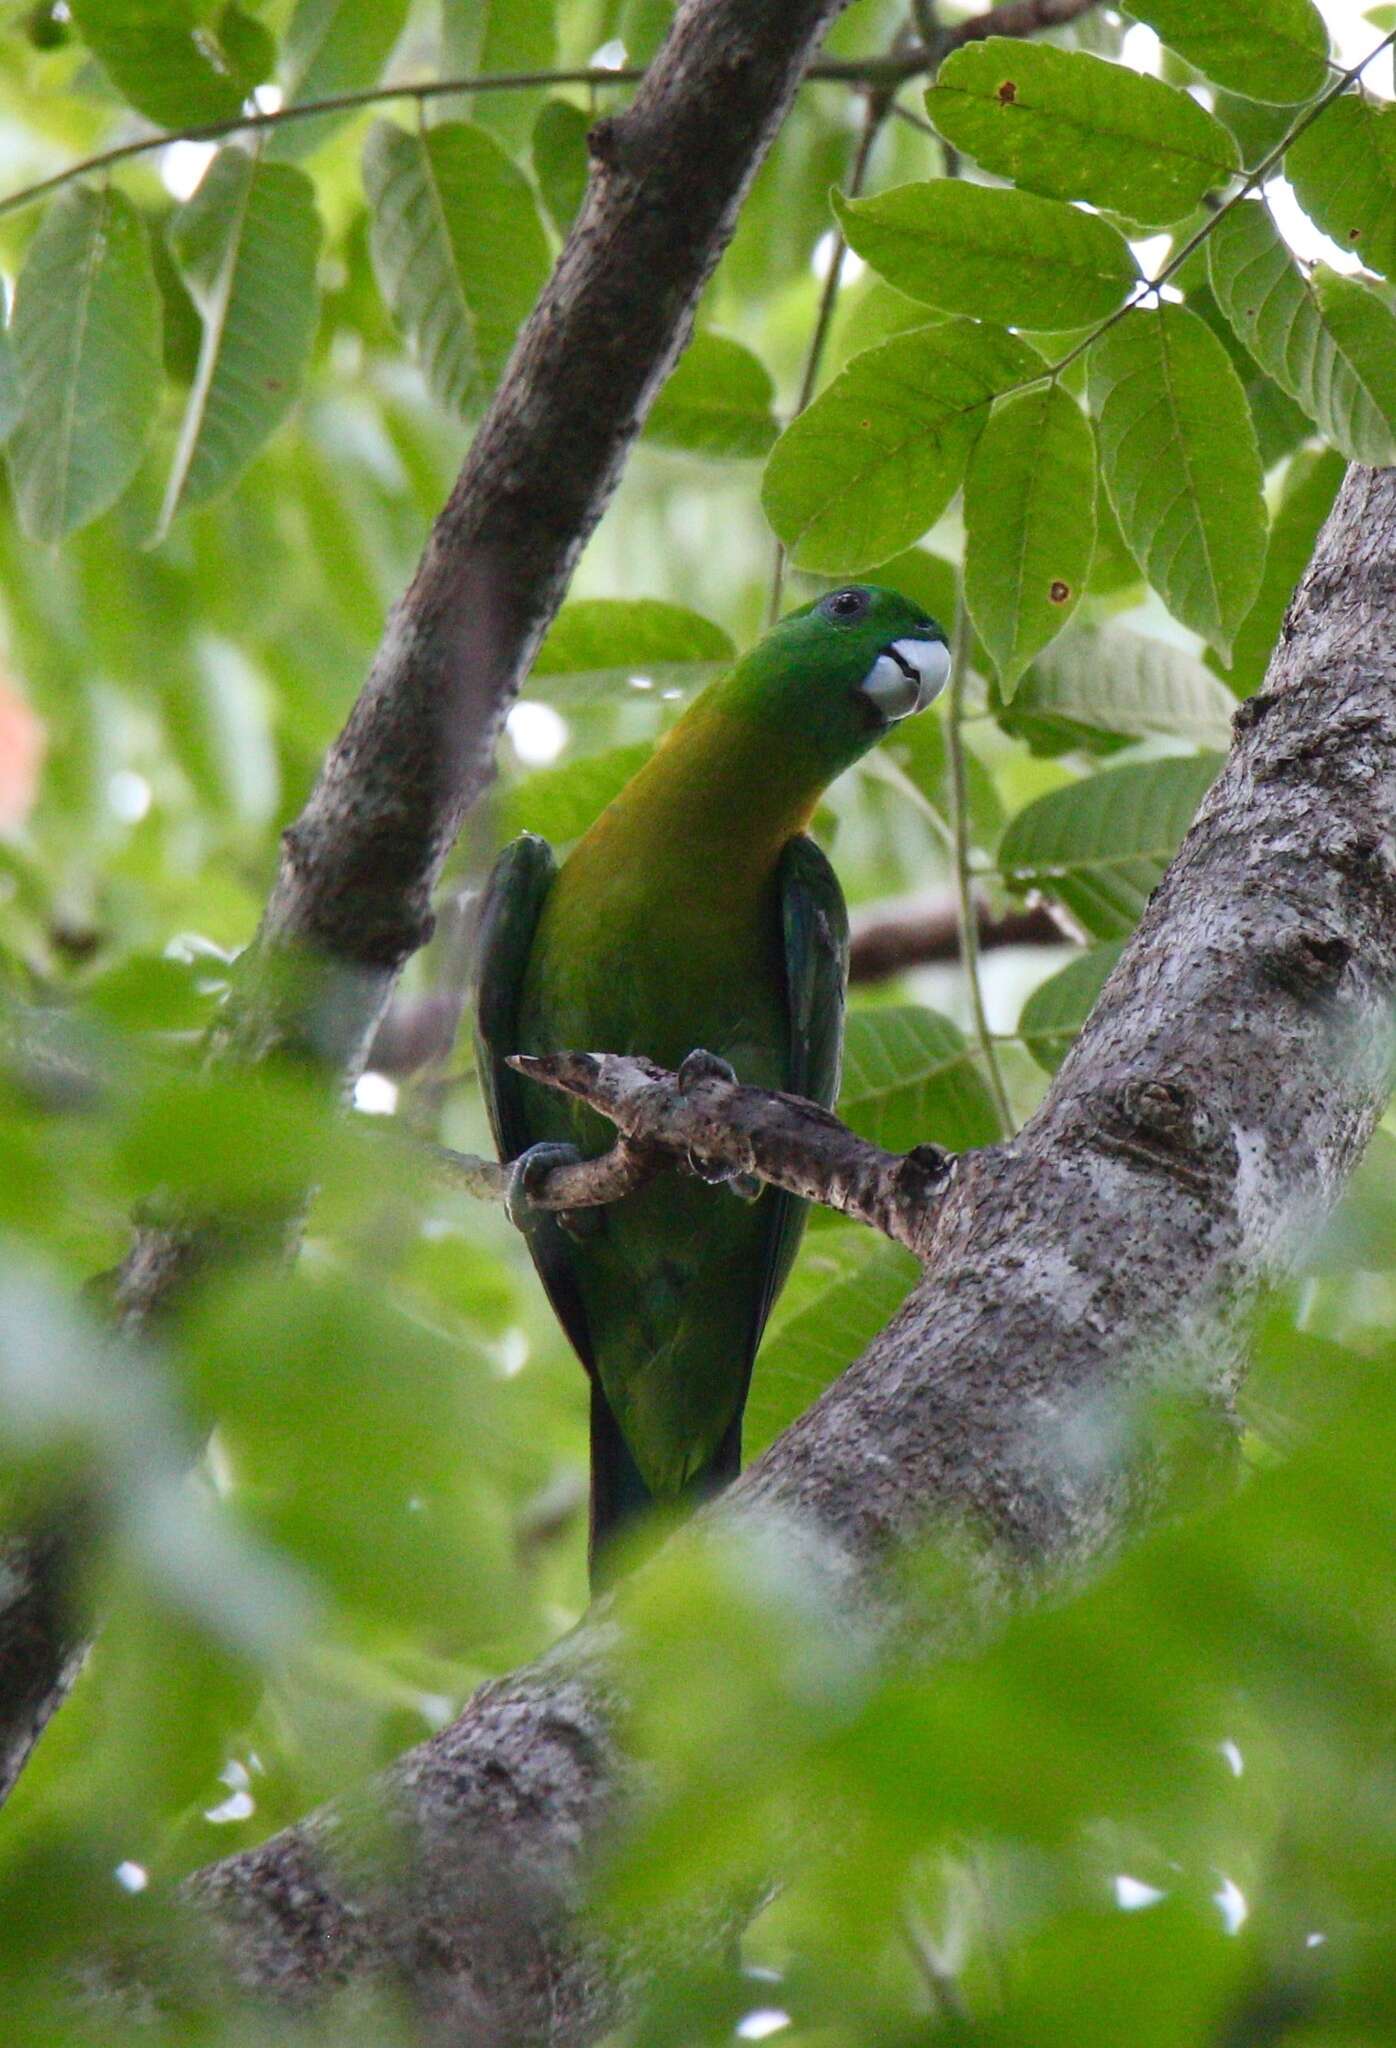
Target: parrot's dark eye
column 846, row 604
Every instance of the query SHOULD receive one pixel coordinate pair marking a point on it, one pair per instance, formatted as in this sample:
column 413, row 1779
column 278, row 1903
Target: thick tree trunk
column 1203, row 1126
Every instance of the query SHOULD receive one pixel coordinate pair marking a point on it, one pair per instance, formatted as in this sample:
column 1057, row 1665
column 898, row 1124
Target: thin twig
column 968, row 915
column 916, row 121
column 1019, row 17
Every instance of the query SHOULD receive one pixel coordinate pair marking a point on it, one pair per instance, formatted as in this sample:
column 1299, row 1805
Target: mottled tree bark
column 1202, row 1127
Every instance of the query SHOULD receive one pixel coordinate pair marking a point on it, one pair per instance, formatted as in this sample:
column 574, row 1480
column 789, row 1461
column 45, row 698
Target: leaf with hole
column 994, row 254
column 1029, row 525
column 458, row 248
column 246, row 246
column 717, row 402
column 878, row 456
column 1100, row 846
column 86, row 338
column 1275, row 50
column 1179, row 457
column 1327, row 341
column 1073, row 126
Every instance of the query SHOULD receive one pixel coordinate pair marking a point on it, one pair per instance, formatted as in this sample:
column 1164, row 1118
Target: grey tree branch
column 1201, row 1128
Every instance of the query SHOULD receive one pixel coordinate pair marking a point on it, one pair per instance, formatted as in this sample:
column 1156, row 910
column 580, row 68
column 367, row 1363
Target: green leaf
column 483, row 38
column 1029, row 524
column 560, row 161
column 86, row 334
column 717, row 402
column 165, row 58
column 876, row 459
column 1311, row 485
column 1280, row 425
column 1274, row 50
column 913, row 759
column 1073, row 126
column 1179, row 457
column 400, row 1497
column 1334, row 352
column 1123, row 682
column 927, row 579
column 248, row 43
column 1258, row 128
column 998, row 255
column 611, row 633
column 563, row 802
column 246, row 246
column 909, row 1078
column 1363, row 327
column 1343, row 170
column 1053, row 1014
column 1101, row 845
column 10, row 398
column 459, row 251
column 333, row 46
column 847, row 1285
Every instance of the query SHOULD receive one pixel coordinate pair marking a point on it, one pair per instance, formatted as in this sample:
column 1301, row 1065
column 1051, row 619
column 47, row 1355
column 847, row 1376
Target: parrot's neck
column 720, row 785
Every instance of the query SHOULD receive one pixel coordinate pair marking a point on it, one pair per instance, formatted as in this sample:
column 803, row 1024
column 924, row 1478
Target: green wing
column 513, row 903
column 814, row 924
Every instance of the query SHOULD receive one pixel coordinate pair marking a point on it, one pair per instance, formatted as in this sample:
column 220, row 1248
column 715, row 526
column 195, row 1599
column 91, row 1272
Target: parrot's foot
column 703, row 1066
column 527, row 1173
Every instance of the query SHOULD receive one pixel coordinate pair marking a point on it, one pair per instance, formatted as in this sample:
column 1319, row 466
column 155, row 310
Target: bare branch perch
column 1202, row 1126
column 726, row 1129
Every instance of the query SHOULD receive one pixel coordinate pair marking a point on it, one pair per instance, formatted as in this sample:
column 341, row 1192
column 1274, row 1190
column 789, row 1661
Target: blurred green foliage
column 332, row 1499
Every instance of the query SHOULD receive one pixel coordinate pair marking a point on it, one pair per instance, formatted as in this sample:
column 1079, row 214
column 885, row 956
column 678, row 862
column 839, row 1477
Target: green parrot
column 694, row 922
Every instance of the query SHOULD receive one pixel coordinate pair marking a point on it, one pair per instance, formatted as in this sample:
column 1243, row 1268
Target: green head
column 835, row 675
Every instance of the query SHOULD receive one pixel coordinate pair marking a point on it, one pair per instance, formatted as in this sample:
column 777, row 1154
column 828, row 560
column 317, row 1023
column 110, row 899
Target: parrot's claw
column 703, row 1066
column 708, row 1171
column 526, row 1173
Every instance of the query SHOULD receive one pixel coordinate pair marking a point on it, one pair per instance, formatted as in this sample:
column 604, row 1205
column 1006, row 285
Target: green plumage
column 693, row 913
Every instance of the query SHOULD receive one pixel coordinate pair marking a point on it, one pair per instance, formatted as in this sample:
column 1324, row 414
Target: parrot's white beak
column 907, row 676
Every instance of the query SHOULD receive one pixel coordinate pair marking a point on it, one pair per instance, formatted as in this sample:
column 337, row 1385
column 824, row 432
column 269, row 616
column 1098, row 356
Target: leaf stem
column 964, row 889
